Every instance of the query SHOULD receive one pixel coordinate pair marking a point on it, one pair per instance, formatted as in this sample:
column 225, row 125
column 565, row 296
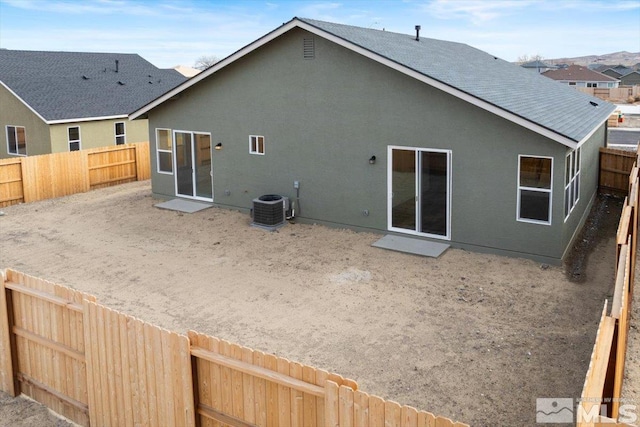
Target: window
column 571, row 181
column 534, row 189
column 592, row 84
column 572, row 83
column 256, row 144
column 16, row 140
column 610, row 85
column 74, row 138
column 120, row 134
column 163, row 151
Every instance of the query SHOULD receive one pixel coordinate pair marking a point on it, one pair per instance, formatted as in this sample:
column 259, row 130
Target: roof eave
column 86, row 119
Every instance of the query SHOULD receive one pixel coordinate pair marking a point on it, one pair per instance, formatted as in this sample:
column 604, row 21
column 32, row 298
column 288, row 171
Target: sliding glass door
column 194, row 176
column 419, row 191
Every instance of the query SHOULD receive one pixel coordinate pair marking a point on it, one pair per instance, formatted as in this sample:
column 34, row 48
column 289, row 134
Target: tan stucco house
column 53, row 102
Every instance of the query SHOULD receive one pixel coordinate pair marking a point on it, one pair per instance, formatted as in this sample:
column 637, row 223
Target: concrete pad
column 411, row 245
column 183, row 205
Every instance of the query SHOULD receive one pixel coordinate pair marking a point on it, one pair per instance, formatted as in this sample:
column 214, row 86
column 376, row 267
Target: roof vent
column 117, row 65
column 120, row 83
column 308, row 48
column 595, row 104
column 85, row 78
column 417, row 33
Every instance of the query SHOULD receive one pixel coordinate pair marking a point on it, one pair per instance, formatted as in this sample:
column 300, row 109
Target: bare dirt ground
column 473, row 337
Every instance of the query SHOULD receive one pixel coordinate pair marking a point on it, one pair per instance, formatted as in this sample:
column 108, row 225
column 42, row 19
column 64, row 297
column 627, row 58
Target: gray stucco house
column 385, row 132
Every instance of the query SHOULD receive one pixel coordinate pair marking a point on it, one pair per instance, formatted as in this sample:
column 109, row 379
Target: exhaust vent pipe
column 417, row 33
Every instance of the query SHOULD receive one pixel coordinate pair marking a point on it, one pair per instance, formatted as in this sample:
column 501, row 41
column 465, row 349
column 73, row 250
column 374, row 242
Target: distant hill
column 624, row 58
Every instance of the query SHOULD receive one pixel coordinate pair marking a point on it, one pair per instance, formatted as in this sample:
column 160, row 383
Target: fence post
column 7, row 346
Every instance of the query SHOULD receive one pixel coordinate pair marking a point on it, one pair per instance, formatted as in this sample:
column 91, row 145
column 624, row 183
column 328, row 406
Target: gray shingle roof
column 74, row 85
column 535, row 98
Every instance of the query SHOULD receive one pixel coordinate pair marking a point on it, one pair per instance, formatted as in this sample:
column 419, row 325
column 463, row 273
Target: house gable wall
column 14, row 113
column 322, row 120
column 99, row 133
column 630, row 79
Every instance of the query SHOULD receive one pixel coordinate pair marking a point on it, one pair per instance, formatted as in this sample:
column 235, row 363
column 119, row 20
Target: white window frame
column 122, row 135
column 572, row 181
column 15, row 135
column 257, row 150
column 158, row 151
column 79, row 140
column 541, row 190
column 592, row 84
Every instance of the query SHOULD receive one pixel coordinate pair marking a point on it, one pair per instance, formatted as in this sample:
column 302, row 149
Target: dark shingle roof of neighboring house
column 556, row 111
column 64, row 86
column 577, row 73
column 536, row 64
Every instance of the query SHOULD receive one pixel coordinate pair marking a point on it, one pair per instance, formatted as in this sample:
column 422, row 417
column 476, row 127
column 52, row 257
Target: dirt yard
column 473, row 337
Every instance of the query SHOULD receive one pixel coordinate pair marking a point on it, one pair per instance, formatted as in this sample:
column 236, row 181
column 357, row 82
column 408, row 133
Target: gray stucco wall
column 14, row 113
column 324, row 118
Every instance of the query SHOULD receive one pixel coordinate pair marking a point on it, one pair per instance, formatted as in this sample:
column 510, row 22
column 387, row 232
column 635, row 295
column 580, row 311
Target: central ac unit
column 270, row 210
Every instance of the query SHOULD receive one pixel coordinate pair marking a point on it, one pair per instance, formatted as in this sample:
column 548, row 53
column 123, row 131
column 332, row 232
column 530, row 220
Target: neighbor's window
column 16, row 140
column 571, row 181
column 256, row 144
column 163, row 150
column 534, row 189
column 572, row 83
column 592, row 84
column 74, row 138
column 120, row 133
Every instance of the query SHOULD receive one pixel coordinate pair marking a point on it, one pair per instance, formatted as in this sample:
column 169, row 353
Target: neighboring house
column 630, row 79
column 538, row 66
column 378, row 131
column 186, row 71
column 64, row 101
column 616, row 72
column 579, row 76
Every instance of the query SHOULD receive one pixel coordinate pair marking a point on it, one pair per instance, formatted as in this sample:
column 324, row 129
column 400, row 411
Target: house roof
column 536, row 64
column 76, row 86
column 510, row 91
column 578, row 73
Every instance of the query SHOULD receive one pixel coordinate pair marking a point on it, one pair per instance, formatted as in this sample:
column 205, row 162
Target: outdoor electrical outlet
column 296, row 184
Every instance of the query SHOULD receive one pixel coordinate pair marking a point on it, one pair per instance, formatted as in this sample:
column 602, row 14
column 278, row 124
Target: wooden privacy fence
column 615, row 167
column 99, row 367
column 33, row 178
column 619, row 93
column 601, row 399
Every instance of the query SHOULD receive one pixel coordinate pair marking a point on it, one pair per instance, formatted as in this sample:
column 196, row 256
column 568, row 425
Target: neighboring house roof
column 578, row 73
column 536, row 64
column 76, row 86
column 611, row 73
column 510, row 91
column 186, row 71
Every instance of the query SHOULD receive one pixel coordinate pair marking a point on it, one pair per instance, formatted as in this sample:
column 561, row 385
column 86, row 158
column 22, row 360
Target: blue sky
column 172, row 32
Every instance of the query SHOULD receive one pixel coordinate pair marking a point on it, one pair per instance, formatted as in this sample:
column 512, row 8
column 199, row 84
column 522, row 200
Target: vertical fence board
column 261, row 392
column 345, row 406
column 376, row 411
column 6, row 348
column 310, row 414
column 248, row 388
column 297, row 403
column 237, row 383
column 142, row 372
column 271, row 362
column 332, row 404
column 284, row 395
